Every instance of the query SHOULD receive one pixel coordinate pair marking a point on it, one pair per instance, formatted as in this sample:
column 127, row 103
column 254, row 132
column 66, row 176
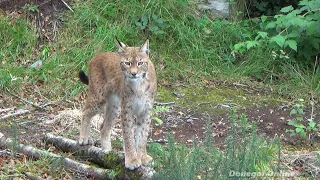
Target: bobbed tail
column 83, row 77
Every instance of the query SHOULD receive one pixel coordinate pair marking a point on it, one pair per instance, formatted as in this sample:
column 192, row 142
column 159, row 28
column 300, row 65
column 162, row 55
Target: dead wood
column 97, row 173
column 21, row 112
column 97, row 155
column 111, row 160
column 26, row 101
column 6, row 109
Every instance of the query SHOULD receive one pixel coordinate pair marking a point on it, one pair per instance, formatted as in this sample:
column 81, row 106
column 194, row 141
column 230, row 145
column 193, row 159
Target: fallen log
column 96, row 155
column 96, row 173
column 111, row 160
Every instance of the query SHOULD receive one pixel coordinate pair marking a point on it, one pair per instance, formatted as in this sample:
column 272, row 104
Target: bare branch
column 26, row 101
column 23, row 111
column 6, row 110
column 97, row 173
column 67, row 5
column 164, row 104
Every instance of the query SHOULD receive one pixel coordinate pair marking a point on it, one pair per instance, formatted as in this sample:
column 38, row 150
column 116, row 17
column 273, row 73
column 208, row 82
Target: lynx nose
column 133, row 74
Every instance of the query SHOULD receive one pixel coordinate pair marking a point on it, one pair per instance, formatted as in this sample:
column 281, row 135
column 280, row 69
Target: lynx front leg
column 142, row 132
column 131, row 159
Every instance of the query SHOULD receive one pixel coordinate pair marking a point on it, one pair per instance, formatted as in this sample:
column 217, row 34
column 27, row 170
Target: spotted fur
column 121, row 85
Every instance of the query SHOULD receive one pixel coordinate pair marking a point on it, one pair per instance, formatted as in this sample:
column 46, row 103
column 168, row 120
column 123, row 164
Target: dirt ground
column 186, row 124
column 46, row 15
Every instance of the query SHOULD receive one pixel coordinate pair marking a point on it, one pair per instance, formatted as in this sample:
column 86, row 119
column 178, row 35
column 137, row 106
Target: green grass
column 18, row 41
column 192, row 47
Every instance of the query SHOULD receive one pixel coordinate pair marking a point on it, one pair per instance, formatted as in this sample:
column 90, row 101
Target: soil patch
column 44, row 15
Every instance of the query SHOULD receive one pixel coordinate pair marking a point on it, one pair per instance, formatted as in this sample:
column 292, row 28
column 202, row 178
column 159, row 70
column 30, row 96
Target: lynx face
column 134, row 60
column 134, row 67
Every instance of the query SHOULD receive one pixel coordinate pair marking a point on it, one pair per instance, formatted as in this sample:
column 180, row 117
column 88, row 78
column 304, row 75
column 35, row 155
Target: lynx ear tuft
column 145, row 47
column 121, row 46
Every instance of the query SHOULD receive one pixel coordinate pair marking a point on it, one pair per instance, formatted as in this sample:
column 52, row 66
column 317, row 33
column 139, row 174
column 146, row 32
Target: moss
column 112, row 160
column 210, row 100
column 165, row 95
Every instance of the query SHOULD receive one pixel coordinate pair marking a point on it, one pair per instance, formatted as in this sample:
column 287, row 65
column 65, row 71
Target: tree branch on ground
column 18, row 113
column 110, row 160
column 97, row 173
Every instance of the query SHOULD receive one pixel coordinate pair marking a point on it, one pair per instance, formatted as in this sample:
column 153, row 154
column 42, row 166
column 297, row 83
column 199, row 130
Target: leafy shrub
column 267, row 7
column 152, row 23
column 297, row 122
column 296, row 31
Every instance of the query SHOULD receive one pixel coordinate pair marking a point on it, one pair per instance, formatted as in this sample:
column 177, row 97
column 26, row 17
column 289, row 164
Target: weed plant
column 245, row 151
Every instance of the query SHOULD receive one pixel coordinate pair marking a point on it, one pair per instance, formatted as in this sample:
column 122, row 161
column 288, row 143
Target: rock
column 219, row 8
column 179, row 94
column 37, row 64
column 190, row 121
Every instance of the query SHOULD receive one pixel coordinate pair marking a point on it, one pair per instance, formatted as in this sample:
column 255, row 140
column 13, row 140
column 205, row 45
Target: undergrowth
column 245, row 151
column 186, row 45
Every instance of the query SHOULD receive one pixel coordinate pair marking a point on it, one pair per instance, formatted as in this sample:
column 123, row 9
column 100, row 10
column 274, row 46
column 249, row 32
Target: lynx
column 121, row 85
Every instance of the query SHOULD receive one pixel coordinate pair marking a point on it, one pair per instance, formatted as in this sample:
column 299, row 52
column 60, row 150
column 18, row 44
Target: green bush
column 295, row 31
column 267, row 7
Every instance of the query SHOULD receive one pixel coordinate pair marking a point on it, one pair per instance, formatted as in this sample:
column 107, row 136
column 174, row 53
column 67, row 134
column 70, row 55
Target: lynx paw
column 132, row 163
column 85, row 141
column 106, row 146
column 146, row 159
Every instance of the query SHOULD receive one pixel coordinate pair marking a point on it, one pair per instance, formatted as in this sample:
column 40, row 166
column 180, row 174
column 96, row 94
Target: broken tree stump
column 96, row 173
column 111, row 160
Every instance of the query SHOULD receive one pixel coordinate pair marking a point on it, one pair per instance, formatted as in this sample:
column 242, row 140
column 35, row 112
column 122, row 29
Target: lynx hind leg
column 111, row 114
column 88, row 112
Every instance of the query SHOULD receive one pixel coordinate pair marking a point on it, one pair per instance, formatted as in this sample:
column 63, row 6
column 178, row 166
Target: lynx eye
column 140, row 63
column 127, row 63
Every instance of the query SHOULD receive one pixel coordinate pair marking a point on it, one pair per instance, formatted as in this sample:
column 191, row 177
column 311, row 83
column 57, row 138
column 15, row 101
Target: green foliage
column 245, row 152
column 112, row 174
column 186, row 47
column 156, row 111
column 268, row 7
column 152, row 23
column 296, row 31
column 188, row 39
column 300, row 129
